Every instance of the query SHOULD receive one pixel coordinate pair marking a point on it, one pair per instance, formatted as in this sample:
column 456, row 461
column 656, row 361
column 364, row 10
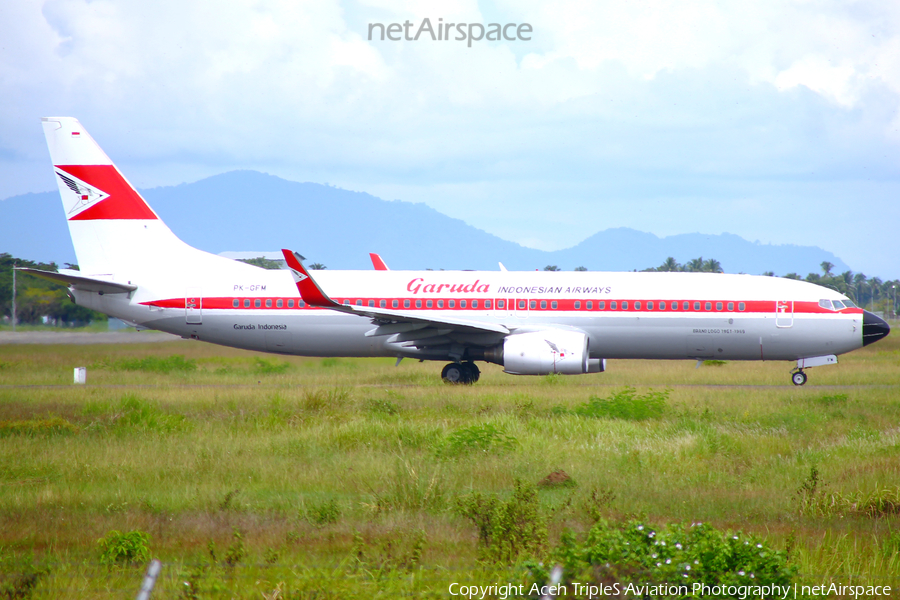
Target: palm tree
column 670, row 264
column 827, row 267
column 581, row 268
column 551, row 268
column 712, row 266
column 317, row 267
column 694, row 265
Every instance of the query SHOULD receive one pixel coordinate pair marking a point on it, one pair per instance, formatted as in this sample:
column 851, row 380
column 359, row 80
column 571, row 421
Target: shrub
column 269, row 367
column 131, row 547
column 481, row 438
column 136, row 413
column 48, row 426
column 625, row 404
column 157, row 364
column 384, row 407
column 632, row 551
column 507, row 530
column 19, row 576
column 322, row 513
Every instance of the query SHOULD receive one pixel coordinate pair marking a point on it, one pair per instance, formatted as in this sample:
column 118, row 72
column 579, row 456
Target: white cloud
column 613, row 100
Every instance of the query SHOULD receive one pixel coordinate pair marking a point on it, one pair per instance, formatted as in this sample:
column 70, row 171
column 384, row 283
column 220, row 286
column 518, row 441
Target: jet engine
column 545, row 352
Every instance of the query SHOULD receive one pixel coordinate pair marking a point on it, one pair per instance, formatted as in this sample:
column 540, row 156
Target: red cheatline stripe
column 567, row 305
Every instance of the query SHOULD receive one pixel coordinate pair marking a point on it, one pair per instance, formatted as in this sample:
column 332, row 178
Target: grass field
column 255, row 476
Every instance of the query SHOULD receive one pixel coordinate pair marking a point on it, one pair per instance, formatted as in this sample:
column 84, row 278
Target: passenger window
column 359, row 302
column 406, row 304
column 418, row 304
column 394, row 303
column 590, row 305
column 521, row 305
column 279, row 303
column 371, row 304
column 290, row 304
column 718, row 306
column 543, row 304
column 674, row 306
column 613, row 305
column 247, row 303
column 501, row 304
column 637, row 305
column 474, row 303
column 462, row 303
column 624, row 305
column 577, row 305
column 487, row 303
column 235, row 303
column 428, row 304
column 346, row 302
column 553, row 305
column 257, row 303
column 269, row 303
column 650, row 305
column 686, row 306
column 707, row 306
column 662, row 306
column 440, row 304
column 730, row 306
column 300, row 304
column 741, row 306
column 382, row 304
column 451, row 303
column 532, row 304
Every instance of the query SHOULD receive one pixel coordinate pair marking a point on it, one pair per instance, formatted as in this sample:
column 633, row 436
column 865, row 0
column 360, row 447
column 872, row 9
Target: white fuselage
column 626, row 315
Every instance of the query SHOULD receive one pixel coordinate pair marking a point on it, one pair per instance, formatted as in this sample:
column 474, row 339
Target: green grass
column 259, row 477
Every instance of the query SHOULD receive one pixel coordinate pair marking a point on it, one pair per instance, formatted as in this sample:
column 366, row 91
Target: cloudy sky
column 774, row 120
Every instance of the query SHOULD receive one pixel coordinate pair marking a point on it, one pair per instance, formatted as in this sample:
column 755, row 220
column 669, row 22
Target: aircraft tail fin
column 111, row 225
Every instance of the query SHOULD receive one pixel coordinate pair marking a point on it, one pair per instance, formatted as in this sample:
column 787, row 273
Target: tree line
column 37, row 298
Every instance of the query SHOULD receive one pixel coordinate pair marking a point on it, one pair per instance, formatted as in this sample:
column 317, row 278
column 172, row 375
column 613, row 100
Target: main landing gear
column 466, row 372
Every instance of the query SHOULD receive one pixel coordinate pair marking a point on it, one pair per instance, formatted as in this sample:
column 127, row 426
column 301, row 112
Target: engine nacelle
column 545, row 352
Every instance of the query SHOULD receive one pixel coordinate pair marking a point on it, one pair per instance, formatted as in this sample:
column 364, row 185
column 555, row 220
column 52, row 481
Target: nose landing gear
column 798, row 377
column 465, row 373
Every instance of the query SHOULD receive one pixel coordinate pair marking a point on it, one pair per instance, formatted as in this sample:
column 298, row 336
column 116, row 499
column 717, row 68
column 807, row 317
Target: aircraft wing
column 80, row 282
column 406, row 326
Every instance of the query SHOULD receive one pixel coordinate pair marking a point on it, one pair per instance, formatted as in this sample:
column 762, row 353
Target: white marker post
column 149, row 580
column 80, row 375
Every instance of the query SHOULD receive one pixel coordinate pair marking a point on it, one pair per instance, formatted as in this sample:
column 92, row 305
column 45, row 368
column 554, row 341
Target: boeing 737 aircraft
column 532, row 323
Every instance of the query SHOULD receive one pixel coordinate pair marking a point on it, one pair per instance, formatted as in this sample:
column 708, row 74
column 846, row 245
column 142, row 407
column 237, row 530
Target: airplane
column 531, row 323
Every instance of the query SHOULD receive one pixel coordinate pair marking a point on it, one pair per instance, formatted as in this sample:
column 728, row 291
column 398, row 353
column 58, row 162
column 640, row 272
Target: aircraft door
column 193, row 306
column 784, row 313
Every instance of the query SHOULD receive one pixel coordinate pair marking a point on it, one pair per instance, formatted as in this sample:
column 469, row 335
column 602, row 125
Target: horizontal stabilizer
column 78, row 281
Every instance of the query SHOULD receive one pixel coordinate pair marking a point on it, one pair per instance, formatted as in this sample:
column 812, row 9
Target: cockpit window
column 849, row 304
column 825, row 304
column 838, row 305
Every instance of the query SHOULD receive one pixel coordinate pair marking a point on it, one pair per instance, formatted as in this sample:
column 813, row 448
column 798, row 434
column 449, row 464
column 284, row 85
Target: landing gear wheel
column 472, row 372
column 798, row 377
column 454, row 373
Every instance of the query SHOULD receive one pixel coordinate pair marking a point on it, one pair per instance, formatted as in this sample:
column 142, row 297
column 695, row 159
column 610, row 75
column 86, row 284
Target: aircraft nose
column 874, row 328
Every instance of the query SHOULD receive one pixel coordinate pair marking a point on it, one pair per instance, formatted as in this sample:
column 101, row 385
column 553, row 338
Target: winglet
column 377, row 262
column 310, row 291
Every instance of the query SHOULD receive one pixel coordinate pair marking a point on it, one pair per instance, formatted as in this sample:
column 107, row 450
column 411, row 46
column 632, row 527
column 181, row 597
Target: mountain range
column 252, row 211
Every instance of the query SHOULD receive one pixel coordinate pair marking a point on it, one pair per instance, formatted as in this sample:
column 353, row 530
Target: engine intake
column 545, row 353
